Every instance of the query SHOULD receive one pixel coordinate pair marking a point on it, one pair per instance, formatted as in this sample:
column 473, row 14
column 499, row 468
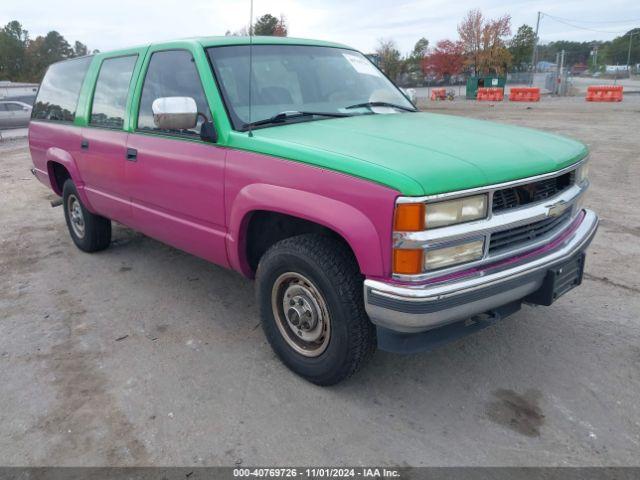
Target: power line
column 561, row 20
column 595, row 21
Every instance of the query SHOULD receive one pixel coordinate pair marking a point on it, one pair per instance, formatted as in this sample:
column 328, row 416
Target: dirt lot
column 143, row 355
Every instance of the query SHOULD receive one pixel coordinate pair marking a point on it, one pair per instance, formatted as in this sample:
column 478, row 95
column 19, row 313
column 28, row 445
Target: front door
column 176, row 180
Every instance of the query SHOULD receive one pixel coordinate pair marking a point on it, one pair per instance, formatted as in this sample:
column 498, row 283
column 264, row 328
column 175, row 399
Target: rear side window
column 14, row 107
column 112, row 88
column 58, row 95
column 171, row 73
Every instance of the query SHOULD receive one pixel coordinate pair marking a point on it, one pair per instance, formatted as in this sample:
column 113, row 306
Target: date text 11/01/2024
column 322, row 472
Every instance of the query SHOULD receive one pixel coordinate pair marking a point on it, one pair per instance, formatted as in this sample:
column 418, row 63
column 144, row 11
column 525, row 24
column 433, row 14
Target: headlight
column 582, row 173
column 453, row 255
column 456, row 211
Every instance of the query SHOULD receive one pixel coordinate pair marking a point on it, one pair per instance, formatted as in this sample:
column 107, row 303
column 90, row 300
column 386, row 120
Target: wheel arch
column 61, row 166
column 313, row 211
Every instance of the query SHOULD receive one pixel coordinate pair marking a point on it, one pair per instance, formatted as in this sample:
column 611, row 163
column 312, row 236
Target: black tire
column 96, row 230
column 330, row 267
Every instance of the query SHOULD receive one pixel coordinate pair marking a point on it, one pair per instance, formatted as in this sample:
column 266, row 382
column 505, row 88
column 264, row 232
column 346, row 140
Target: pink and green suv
column 298, row 163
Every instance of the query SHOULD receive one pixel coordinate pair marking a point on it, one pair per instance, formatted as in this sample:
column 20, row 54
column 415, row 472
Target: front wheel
column 88, row 231
column 311, row 303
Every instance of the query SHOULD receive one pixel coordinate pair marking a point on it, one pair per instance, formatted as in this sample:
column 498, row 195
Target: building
column 25, row 92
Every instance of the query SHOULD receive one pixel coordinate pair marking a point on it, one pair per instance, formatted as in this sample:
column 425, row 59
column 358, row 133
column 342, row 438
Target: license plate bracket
column 558, row 281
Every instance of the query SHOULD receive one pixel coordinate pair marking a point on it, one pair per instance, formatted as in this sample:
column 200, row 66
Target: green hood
column 418, row 153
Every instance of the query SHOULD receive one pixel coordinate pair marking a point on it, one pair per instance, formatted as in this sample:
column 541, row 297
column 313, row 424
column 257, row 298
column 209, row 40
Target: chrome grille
column 519, row 195
column 514, row 237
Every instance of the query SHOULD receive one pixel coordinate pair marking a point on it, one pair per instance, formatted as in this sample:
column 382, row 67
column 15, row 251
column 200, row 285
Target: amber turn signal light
column 409, row 217
column 407, row 262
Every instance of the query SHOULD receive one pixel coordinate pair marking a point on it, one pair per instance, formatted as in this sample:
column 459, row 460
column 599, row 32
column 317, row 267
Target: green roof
column 259, row 40
column 226, row 40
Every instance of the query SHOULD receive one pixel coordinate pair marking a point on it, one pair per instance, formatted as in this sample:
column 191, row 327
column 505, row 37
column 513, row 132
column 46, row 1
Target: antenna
column 250, row 64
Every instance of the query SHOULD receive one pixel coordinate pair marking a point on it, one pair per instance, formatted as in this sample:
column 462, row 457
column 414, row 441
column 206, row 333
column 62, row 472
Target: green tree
column 13, row 43
column 43, row 51
column 266, row 25
column 80, row 49
column 617, row 51
column 521, row 46
column 390, row 59
column 413, row 63
column 574, row 52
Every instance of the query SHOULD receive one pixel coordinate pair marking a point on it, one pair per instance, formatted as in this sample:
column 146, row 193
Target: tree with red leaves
column 446, row 60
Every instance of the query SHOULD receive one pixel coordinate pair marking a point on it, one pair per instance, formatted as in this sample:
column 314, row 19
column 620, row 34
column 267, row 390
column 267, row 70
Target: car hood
column 419, row 153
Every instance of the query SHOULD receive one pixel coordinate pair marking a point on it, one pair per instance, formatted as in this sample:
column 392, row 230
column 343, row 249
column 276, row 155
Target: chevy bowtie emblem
column 557, row 209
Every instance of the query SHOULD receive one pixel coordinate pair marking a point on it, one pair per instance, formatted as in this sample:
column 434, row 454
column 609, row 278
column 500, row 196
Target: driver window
column 171, row 73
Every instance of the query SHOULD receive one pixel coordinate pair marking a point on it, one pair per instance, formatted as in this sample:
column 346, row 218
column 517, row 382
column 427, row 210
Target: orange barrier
column 438, row 94
column 522, row 94
column 490, row 94
column 604, row 93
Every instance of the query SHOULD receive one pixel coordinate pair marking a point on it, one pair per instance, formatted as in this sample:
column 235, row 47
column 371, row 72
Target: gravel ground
column 144, row 355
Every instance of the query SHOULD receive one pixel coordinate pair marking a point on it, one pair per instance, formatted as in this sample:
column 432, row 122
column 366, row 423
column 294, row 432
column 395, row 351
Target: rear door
column 104, row 139
column 175, row 179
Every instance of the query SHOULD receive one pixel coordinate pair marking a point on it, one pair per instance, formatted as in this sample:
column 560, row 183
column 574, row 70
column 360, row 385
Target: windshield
column 295, row 78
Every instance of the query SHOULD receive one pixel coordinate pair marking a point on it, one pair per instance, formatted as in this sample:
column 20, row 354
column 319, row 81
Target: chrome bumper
column 418, row 308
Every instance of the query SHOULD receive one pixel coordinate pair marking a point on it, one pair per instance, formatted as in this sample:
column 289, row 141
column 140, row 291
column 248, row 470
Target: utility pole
column 561, row 83
column 629, row 53
column 535, row 50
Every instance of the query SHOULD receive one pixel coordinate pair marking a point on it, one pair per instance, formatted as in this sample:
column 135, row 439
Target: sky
column 114, row 24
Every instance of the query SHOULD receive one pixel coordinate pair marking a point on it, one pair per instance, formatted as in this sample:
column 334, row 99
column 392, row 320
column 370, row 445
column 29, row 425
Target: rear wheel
column 311, row 303
column 88, row 231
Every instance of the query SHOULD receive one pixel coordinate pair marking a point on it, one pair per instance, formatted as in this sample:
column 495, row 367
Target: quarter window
column 171, row 73
column 112, row 88
column 59, row 91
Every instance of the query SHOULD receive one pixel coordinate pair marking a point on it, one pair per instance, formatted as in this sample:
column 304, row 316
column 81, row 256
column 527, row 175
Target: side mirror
column 175, row 113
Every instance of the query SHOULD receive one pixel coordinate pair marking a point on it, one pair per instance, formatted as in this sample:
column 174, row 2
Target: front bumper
column 417, row 308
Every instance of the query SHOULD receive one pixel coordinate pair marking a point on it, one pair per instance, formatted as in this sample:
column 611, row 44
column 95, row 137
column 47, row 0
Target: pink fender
column 350, row 223
column 358, row 210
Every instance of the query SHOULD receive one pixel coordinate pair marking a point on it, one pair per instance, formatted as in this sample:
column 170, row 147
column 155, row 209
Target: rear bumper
column 413, row 309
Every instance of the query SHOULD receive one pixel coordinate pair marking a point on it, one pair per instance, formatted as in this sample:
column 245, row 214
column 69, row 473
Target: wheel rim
column 301, row 314
column 76, row 217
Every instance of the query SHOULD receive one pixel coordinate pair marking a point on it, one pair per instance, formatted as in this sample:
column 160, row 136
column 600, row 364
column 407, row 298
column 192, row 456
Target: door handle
column 84, row 144
column 132, row 154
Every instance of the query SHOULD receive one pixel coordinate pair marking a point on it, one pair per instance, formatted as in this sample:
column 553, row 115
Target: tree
column 413, row 63
column 390, row 59
column 575, row 52
column 521, row 45
column 446, row 60
column 616, row 52
column 484, row 42
column 23, row 59
column 43, row 51
column 281, row 27
column 265, row 25
column 13, row 42
column 470, row 31
column 80, row 49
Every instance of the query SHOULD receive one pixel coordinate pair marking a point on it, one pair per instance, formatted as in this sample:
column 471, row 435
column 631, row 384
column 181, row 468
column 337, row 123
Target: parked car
column 14, row 114
column 364, row 222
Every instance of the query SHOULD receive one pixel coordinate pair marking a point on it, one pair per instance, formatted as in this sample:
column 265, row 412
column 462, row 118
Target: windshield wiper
column 284, row 116
column 381, row 104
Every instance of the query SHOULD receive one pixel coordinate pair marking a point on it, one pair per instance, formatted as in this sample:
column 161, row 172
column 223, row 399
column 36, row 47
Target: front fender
column 344, row 219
